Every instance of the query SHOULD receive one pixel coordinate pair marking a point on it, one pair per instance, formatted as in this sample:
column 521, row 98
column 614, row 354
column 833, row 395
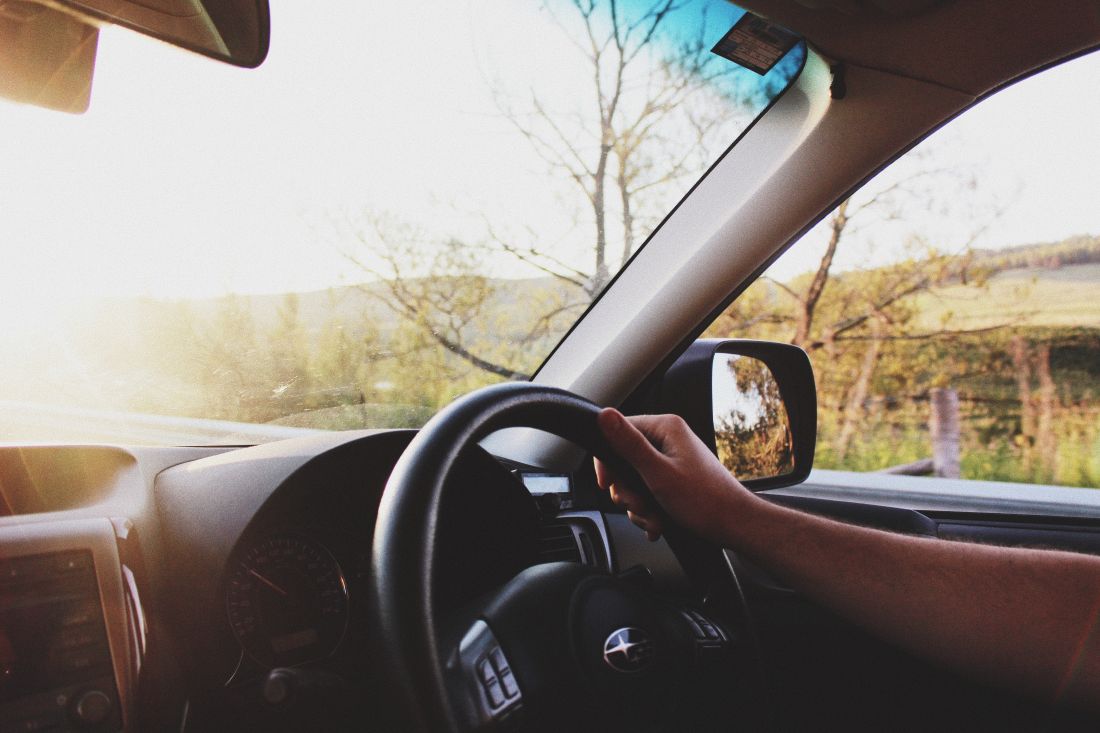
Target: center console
column 67, row 651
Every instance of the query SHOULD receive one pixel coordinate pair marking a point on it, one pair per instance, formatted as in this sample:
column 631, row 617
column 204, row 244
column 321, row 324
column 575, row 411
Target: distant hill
column 1046, row 284
column 1049, row 284
column 359, row 309
column 366, row 303
column 1078, row 250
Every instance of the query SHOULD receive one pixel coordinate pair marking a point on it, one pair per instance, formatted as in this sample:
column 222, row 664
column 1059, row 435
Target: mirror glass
column 751, row 428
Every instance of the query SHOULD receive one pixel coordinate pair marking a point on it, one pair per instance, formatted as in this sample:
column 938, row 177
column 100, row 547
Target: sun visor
column 46, row 57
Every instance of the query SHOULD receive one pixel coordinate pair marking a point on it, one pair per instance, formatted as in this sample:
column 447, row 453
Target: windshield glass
column 404, row 202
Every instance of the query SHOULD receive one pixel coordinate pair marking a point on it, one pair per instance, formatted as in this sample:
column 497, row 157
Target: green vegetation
column 1049, row 435
column 336, row 359
column 1027, row 381
column 1015, row 332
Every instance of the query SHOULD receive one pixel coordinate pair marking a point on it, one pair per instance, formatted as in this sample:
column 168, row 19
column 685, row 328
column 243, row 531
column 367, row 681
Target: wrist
column 740, row 509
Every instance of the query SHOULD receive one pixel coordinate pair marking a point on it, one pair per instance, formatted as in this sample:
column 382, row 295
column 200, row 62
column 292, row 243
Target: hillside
column 1077, row 250
column 366, row 304
column 1033, row 296
column 1042, row 285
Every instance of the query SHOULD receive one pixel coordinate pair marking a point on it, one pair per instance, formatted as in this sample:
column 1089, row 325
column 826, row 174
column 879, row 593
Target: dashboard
column 212, row 588
column 221, row 588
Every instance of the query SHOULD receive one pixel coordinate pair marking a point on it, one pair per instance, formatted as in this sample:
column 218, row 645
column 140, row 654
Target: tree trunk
column 943, row 424
column 1022, row 367
column 854, row 413
column 821, row 278
column 1046, row 443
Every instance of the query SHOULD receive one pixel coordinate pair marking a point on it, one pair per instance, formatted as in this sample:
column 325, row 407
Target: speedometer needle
column 266, row 582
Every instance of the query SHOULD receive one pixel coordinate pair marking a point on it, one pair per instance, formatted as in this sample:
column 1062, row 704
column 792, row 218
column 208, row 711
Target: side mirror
column 753, row 403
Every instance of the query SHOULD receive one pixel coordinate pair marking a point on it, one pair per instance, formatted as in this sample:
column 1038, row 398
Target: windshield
column 405, row 202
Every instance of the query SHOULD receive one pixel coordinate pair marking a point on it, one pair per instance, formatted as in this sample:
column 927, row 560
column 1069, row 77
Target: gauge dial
column 287, row 600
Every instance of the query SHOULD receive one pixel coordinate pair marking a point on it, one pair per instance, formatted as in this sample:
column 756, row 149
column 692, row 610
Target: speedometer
column 287, row 600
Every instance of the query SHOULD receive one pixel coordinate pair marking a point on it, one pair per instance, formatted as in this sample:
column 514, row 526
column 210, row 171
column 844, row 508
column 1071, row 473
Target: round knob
column 92, row 707
column 278, row 687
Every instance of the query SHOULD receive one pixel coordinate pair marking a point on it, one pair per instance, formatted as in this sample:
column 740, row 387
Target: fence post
column 943, row 423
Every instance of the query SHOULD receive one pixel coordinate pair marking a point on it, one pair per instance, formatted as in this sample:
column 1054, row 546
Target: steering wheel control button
column 497, row 680
column 508, row 684
column 504, row 672
column 496, row 656
column 485, row 672
column 628, row 650
column 705, row 630
column 494, row 693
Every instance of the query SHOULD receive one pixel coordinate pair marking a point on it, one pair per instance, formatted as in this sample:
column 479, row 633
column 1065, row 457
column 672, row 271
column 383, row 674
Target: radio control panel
column 56, row 671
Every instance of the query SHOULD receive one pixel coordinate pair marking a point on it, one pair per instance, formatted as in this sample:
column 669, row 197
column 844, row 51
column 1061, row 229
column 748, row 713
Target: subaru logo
column 628, row 650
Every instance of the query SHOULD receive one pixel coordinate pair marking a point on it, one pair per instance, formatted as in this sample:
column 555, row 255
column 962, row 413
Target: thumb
column 629, row 442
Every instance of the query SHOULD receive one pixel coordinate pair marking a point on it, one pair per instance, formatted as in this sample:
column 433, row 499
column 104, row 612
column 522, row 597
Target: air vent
column 558, row 543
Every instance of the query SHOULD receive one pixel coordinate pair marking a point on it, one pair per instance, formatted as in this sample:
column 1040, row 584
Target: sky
column 190, row 178
column 1031, row 153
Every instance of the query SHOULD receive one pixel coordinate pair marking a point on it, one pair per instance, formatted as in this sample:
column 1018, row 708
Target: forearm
column 1022, row 618
column 1018, row 617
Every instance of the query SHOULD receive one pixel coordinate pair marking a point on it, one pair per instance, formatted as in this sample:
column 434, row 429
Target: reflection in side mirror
column 751, row 402
column 752, row 430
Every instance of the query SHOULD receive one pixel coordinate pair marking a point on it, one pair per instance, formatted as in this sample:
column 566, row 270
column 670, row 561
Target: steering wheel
column 561, row 646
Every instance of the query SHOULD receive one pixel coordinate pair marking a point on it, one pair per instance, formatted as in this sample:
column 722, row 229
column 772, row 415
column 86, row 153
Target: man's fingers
column 627, row 440
column 604, row 476
column 651, row 522
column 651, row 525
column 621, row 494
column 634, row 447
column 627, row 498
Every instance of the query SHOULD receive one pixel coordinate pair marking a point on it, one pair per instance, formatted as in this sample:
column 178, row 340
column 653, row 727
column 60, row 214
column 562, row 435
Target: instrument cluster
column 286, row 599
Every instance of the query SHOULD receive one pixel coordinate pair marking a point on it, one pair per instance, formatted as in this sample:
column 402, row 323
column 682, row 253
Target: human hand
column 684, row 477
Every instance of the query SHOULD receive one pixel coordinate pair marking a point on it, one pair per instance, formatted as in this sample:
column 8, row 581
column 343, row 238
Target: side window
column 951, row 308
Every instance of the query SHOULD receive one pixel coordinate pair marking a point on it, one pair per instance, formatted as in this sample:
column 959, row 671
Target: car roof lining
column 959, row 45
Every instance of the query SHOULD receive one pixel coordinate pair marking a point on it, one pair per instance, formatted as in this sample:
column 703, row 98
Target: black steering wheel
column 559, row 646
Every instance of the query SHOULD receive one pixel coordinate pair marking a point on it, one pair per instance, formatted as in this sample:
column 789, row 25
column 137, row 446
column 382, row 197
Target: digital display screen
column 295, row 640
column 547, row 483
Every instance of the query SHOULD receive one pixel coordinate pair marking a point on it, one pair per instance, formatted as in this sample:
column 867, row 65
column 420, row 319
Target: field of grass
column 1065, row 296
column 1056, row 308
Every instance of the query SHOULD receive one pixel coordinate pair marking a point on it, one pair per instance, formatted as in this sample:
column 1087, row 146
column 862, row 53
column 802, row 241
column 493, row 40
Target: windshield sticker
column 755, row 43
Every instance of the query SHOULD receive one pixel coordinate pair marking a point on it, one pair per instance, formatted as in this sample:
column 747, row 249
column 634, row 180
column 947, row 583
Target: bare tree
column 658, row 105
column 433, row 285
column 871, row 303
column 652, row 120
column 852, row 313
